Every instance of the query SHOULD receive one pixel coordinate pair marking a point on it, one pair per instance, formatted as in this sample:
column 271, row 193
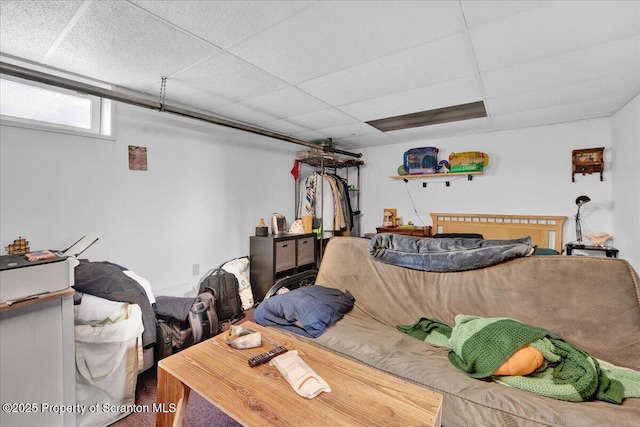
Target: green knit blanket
column 480, row 345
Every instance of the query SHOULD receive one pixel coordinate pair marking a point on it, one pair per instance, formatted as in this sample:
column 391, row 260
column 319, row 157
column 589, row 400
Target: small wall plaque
column 137, row 158
column 587, row 161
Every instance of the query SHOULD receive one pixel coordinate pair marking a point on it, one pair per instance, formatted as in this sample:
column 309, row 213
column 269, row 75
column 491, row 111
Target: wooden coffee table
column 260, row 396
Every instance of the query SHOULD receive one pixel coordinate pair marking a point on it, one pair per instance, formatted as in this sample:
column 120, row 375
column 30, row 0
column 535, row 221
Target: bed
column 545, row 231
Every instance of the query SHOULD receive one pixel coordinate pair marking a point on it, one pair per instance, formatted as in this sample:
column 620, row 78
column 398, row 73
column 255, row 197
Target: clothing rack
column 326, row 164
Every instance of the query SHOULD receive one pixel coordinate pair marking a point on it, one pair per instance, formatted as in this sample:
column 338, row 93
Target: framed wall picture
column 137, row 158
column 390, row 217
column 587, row 161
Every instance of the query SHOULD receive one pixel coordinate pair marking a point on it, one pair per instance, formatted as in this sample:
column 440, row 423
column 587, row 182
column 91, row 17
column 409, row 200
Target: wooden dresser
column 415, row 231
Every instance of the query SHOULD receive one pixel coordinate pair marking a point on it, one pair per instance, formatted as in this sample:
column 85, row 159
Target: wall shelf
column 437, row 175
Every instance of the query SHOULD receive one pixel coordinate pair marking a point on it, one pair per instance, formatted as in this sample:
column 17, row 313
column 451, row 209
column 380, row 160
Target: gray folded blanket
column 449, row 254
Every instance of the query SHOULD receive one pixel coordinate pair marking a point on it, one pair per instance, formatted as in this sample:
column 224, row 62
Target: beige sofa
column 593, row 303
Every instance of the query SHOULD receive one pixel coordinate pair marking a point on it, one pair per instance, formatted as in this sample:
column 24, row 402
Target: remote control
column 266, row 356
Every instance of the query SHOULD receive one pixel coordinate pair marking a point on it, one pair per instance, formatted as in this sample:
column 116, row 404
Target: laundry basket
column 108, row 338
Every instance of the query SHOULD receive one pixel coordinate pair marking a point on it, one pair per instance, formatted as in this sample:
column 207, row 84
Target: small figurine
column 20, row 246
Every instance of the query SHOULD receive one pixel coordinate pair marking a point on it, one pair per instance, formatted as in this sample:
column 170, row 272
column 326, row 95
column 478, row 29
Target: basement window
column 35, row 105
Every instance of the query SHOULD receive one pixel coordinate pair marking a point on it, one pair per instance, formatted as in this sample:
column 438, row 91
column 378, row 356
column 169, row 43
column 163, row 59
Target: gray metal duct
column 37, row 76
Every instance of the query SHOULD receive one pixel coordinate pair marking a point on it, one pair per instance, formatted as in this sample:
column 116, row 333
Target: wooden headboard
column 545, row 231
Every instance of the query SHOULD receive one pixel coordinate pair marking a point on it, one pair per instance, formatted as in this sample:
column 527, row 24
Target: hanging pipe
column 37, row 76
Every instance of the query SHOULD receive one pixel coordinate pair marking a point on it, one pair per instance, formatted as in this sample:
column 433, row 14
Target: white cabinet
column 37, row 362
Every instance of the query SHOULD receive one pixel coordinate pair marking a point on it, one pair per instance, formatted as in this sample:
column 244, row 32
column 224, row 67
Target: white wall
column 204, row 192
column 625, row 137
column 208, row 186
column 529, row 173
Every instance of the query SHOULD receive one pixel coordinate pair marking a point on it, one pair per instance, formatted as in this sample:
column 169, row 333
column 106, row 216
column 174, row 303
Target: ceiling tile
column 285, row 102
column 478, row 13
column 245, row 113
column 224, row 23
column 284, row 126
column 350, row 130
column 446, row 94
column 555, row 29
column 322, row 119
column 224, row 78
column 334, row 35
column 603, row 60
column 311, row 135
column 118, row 43
column 559, row 114
column 371, row 140
column 569, row 94
column 29, row 28
column 317, row 69
column 405, row 70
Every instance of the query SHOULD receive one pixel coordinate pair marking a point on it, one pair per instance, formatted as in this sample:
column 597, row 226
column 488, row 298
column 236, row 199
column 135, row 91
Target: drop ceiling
column 323, row 69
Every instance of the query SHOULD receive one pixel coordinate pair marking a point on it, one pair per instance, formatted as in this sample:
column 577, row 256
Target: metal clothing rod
column 37, row 76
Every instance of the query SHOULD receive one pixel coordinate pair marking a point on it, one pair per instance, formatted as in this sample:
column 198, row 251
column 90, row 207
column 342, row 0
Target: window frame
column 102, row 113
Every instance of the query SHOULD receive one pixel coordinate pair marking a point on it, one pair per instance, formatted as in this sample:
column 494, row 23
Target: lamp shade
column 581, row 200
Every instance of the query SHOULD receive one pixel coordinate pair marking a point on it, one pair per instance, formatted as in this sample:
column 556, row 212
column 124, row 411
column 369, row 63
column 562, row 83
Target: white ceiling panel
column 29, row 28
column 285, row 102
column 558, row 114
column 553, row 30
column 311, row 135
column 272, row 106
column 224, row 23
column 484, row 12
column 245, row 113
column 284, row 127
column 321, row 69
column 331, row 36
column 446, row 94
column 350, row 130
column 227, row 77
column 621, row 85
column 371, row 140
column 399, row 72
column 116, row 42
column 599, row 61
column 323, row 119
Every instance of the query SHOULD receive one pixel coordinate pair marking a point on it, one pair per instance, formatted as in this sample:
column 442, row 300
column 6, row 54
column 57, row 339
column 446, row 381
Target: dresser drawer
column 306, row 250
column 285, row 255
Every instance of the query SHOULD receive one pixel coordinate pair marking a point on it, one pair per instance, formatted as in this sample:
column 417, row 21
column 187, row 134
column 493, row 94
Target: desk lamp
column 581, row 200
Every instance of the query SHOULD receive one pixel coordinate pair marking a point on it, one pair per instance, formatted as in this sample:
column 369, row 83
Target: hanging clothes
column 332, row 205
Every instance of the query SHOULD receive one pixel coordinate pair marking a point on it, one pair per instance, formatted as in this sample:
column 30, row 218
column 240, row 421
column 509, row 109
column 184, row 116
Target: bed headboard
column 545, row 231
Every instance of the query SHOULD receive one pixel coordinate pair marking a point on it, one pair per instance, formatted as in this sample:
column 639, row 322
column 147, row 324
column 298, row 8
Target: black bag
column 226, row 291
column 181, row 334
column 203, row 318
column 164, row 340
column 200, row 324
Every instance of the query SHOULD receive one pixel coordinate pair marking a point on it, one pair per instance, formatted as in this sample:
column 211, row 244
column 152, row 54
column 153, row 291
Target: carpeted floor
column 200, row 413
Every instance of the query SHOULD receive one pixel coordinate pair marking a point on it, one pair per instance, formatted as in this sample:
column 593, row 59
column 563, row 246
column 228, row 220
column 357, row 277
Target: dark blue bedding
column 307, row 311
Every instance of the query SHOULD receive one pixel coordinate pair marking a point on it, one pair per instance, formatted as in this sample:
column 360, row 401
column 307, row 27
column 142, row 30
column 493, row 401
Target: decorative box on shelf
column 587, row 161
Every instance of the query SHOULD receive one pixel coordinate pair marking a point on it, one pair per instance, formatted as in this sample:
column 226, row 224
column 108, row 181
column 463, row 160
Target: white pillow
column 238, row 267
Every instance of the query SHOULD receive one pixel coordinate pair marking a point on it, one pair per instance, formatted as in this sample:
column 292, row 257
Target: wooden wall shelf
column 436, row 175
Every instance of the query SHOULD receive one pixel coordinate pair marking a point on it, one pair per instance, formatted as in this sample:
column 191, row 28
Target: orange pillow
column 522, row 362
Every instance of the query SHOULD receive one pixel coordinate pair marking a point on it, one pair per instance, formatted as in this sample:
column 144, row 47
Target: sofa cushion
column 466, row 401
column 593, row 303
